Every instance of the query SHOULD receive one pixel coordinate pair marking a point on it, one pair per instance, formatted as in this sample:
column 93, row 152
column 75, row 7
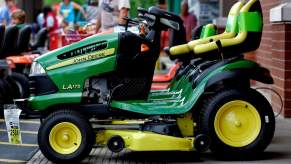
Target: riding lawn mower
column 98, row 92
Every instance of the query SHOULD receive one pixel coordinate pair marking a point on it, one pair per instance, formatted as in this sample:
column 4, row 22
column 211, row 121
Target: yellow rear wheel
column 237, row 123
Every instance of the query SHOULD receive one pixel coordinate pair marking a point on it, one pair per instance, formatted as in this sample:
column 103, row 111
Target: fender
column 259, row 74
column 226, row 69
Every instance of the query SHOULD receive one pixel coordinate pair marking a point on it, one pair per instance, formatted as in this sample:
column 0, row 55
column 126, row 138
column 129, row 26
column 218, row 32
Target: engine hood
column 91, row 48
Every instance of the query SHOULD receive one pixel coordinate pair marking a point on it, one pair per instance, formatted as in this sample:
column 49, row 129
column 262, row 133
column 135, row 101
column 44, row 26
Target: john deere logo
column 84, row 58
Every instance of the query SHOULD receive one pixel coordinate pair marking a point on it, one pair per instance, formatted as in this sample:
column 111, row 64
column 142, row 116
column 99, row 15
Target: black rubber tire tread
column 24, row 82
column 207, row 116
column 2, row 97
column 15, row 92
column 6, row 89
column 66, row 116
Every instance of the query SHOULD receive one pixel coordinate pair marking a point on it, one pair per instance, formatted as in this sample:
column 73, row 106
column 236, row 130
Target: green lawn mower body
column 98, row 91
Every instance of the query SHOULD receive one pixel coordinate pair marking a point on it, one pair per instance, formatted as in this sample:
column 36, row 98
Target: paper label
column 12, row 114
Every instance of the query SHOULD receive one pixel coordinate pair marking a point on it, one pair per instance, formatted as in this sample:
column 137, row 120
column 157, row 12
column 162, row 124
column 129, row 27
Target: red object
column 68, row 39
column 55, row 26
column 54, row 40
column 161, row 81
column 160, row 86
column 21, row 59
column 160, row 78
column 59, row 39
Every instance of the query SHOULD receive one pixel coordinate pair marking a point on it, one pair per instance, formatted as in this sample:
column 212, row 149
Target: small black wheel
column 65, row 136
column 115, row 144
column 21, row 82
column 240, row 123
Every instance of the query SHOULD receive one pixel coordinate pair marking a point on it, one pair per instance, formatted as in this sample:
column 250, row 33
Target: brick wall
column 275, row 54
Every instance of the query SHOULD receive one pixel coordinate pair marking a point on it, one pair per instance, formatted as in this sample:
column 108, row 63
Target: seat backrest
column 2, row 33
column 232, row 18
column 172, row 22
column 40, row 39
column 208, row 31
column 249, row 36
column 251, row 26
column 24, row 39
column 9, row 41
column 231, row 31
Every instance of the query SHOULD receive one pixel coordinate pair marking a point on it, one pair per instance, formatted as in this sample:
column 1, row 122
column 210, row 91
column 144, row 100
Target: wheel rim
column 237, row 123
column 65, row 138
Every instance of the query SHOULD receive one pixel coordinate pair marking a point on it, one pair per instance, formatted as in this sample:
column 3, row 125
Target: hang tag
column 11, row 115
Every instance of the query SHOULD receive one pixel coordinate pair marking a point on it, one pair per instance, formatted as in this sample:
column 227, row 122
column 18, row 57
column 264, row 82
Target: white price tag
column 12, row 114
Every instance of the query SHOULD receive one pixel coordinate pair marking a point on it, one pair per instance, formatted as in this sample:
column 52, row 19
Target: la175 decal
column 84, row 58
column 71, row 86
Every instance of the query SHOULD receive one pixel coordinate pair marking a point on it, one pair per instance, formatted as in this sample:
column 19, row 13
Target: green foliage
column 140, row 3
column 50, row 2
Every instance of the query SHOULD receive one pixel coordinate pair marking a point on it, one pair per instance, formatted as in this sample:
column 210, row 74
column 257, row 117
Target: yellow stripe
column 22, row 131
column 24, row 121
column 12, row 161
column 83, row 58
column 22, row 145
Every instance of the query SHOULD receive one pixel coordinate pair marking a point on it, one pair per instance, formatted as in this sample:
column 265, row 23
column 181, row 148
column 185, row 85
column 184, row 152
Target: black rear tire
column 14, row 89
column 66, row 116
column 3, row 96
column 220, row 147
column 21, row 83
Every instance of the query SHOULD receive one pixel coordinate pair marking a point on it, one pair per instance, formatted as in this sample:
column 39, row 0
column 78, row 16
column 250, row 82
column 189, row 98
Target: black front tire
column 75, row 118
column 224, row 150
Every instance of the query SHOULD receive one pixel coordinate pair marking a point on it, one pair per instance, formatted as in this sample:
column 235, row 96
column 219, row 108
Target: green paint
column 232, row 24
column 41, row 103
column 73, row 75
column 208, row 30
column 251, row 22
column 180, row 104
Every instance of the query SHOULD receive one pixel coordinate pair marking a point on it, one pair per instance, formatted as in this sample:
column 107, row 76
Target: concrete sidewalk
column 278, row 152
column 21, row 153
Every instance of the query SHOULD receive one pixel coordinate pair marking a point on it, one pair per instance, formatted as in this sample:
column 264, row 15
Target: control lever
column 128, row 21
column 220, row 48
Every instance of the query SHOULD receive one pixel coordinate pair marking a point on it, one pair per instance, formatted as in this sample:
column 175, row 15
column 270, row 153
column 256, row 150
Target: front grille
column 41, row 85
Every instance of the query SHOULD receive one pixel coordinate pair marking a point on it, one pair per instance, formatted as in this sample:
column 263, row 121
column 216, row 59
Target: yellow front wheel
column 65, row 136
column 240, row 122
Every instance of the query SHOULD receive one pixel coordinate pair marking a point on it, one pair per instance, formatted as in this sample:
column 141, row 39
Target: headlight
column 36, row 68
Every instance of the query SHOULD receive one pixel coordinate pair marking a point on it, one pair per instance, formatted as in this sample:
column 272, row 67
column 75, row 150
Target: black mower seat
column 24, row 39
column 9, row 41
column 41, row 37
column 248, row 39
column 230, row 32
column 2, row 33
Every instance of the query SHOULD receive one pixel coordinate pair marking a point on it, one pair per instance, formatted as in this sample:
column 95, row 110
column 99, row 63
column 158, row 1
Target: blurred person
column 164, row 34
column 163, row 5
column 92, row 11
column 190, row 20
column 112, row 13
column 18, row 18
column 6, row 11
column 50, row 20
column 40, row 19
column 67, row 11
